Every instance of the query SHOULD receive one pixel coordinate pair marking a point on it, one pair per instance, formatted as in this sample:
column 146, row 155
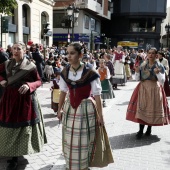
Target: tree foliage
column 6, row 6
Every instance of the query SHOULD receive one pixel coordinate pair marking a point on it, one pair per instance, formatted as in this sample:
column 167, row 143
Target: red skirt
column 166, row 87
column 133, row 104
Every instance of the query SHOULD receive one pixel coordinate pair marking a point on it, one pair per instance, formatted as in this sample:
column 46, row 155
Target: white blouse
column 96, row 88
column 160, row 77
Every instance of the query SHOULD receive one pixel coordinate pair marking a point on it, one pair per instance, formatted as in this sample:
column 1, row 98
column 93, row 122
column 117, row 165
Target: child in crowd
column 107, row 91
column 55, row 92
column 48, row 70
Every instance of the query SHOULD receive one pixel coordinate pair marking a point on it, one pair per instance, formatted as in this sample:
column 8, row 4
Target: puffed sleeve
column 96, row 87
column 161, row 78
column 108, row 73
column 137, row 76
column 63, row 86
column 123, row 58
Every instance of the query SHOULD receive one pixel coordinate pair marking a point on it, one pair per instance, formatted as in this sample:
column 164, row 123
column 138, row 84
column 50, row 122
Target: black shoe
column 139, row 135
column 148, row 133
column 104, row 104
column 12, row 165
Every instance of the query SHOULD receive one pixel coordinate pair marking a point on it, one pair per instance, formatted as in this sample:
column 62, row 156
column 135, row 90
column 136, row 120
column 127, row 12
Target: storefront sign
column 129, row 44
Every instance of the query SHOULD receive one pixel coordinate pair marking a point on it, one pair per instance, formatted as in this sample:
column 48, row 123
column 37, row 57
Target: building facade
column 27, row 22
column 165, row 38
column 88, row 25
column 136, row 21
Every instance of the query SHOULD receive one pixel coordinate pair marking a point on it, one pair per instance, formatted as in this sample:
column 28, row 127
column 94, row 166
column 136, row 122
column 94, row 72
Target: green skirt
column 24, row 140
column 107, row 90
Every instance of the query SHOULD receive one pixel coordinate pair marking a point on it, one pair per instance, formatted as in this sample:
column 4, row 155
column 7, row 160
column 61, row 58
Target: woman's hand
column 59, row 115
column 23, row 89
column 3, row 83
column 100, row 121
column 156, row 70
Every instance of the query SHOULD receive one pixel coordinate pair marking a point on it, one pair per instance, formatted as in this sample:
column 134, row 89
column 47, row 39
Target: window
column 100, row 2
column 142, row 25
column 24, row 15
column 43, row 18
column 57, row 18
column 86, row 22
column 93, row 24
column 11, row 18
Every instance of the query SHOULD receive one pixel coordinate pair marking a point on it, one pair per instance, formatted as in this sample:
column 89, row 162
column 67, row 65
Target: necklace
column 75, row 70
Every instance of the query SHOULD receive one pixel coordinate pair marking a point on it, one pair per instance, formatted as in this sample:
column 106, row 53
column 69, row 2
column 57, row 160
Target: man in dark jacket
column 3, row 58
column 38, row 61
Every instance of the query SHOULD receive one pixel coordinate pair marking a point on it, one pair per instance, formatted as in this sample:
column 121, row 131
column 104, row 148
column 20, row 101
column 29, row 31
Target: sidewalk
column 129, row 154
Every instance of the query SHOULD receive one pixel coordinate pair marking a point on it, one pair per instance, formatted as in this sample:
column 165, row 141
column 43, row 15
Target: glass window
column 86, row 22
column 142, row 25
column 11, row 18
column 100, row 2
column 93, row 24
column 43, row 18
column 24, row 15
column 57, row 18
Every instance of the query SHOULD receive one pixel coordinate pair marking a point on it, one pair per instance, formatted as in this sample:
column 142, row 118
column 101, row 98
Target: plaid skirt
column 148, row 105
column 78, row 136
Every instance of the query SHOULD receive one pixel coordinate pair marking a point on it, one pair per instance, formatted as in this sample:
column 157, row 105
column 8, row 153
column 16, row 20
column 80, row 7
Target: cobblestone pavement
column 152, row 153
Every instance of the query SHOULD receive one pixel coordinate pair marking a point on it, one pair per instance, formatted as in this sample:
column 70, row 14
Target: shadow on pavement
column 46, row 105
column 47, row 116
column 52, row 123
column 124, row 103
column 48, row 167
column 129, row 141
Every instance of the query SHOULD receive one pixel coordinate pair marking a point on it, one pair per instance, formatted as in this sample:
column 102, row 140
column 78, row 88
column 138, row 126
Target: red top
column 118, row 56
column 78, row 94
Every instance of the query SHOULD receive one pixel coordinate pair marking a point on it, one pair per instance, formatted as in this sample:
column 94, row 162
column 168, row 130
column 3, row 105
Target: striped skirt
column 79, row 128
column 107, row 90
column 148, row 105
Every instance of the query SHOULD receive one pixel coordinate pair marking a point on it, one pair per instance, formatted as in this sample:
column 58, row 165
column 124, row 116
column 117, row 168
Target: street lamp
column 167, row 29
column 73, row 13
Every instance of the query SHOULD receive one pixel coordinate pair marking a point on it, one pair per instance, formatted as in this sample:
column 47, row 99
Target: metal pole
column 73, row 26
column 1, row 30
column 91, row 40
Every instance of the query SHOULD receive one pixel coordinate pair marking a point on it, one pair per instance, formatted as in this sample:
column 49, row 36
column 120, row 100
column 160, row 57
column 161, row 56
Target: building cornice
column 48, row 2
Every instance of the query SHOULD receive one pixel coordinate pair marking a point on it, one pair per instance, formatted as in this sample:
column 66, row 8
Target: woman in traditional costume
column 21, row 123
column 148, row 104
column 164, row 62
column 107, row 91
column 79, row 116
column 119, row 59
column 127, row 68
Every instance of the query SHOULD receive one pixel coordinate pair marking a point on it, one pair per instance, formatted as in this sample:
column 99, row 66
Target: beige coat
column 164, row 62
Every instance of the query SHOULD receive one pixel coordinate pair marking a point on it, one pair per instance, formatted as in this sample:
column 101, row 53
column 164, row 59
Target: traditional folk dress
column 79, row 116
column 107, row 91
column 21, row 123
column 127, row 67
column 55, row 94
column 148, row 104
column 165, row 63
column 119, row 77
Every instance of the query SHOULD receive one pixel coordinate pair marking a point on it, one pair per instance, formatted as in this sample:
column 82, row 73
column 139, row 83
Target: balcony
column 139, row 29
